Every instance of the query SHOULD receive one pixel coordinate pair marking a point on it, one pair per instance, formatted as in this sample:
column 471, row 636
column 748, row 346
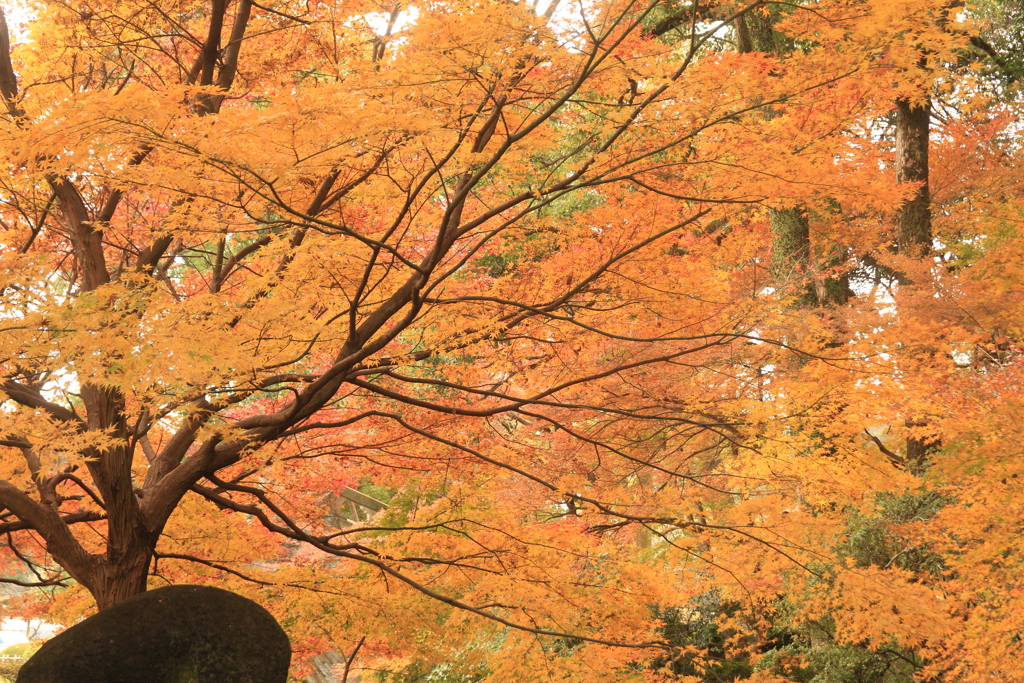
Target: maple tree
column 660, row 347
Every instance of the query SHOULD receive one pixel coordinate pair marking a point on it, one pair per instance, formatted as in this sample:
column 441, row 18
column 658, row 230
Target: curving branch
column 291, row 530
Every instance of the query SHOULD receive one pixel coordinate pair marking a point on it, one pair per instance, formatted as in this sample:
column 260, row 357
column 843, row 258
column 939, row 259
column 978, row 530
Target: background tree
column 506, row 270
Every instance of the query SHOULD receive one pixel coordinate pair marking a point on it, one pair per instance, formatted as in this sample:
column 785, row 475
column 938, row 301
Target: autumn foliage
column 668, row 357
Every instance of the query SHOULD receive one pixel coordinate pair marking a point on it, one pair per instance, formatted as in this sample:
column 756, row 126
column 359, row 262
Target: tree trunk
column 792, row 257
column 122, row 578
column 755, row 32
column 791, row 250
column 914, row 220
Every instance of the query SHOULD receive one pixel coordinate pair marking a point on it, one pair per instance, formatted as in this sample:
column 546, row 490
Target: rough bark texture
column 755, row 32
column 791, row 250
column 914, row 221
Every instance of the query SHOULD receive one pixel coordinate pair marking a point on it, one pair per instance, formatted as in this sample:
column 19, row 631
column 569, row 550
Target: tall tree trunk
column 792, row 257
column 791, row 250
column 914, row 221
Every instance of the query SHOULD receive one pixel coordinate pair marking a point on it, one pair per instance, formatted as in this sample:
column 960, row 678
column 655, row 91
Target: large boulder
column 177, row 634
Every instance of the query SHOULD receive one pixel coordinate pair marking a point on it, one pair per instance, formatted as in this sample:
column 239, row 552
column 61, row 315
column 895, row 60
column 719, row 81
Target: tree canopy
column 663, row 340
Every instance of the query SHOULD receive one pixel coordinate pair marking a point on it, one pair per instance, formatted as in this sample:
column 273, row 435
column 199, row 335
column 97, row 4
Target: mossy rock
column 177, row 634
